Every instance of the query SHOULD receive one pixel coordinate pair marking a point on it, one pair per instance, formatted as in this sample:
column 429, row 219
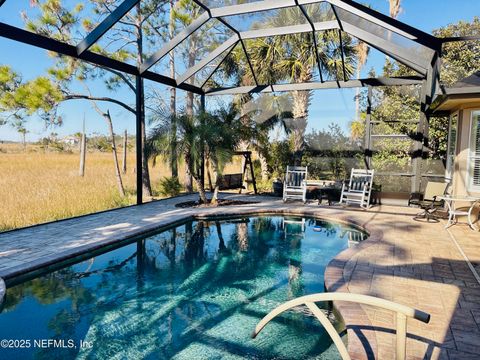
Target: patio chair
column 428, row 201
column 359, row 188
column 295, row 186
column 401, row 313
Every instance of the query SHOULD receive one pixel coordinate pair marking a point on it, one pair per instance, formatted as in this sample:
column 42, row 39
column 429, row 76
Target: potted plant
column 277, row 186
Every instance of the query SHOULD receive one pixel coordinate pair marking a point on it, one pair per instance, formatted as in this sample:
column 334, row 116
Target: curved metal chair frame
column 402, row 312
column 428, row 202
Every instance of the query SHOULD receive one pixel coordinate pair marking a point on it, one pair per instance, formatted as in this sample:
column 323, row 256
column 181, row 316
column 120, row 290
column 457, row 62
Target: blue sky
column 327, row 105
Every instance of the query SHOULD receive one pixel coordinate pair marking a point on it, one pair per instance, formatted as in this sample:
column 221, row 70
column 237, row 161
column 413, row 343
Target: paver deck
column 412, row 263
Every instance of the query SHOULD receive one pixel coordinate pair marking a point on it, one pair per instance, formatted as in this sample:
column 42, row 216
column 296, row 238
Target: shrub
column 280, row 156
column 170, row 186
column 57, row 146
column 264, row 186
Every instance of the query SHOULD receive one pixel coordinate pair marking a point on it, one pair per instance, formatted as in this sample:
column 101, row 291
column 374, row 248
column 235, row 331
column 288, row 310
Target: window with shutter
column 474, row 153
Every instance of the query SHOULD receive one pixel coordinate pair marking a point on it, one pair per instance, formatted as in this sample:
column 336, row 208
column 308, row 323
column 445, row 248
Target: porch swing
column 238, row 180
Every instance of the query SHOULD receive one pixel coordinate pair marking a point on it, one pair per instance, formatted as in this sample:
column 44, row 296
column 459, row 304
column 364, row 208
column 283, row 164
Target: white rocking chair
column 359, row 188
column 295, row 186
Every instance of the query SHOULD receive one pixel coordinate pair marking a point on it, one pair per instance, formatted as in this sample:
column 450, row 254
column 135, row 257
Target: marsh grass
column 38, row 186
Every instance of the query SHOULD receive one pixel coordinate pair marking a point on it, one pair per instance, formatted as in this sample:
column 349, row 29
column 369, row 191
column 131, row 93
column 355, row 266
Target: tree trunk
column 201, row 190
column 124, row 158
column 357, row 96
column 188, row 174
column 118, row 176
column 173, row 95
column 83, row 150
column 171, row 247
column 218, row 177
column 188, row 232
column 221, row 243
column 147, row 189
column 190, row 167
column 301, row 101
column 24, row 141
column 243, row 146
column 263, row 166
column 300, row 113
column 189, row 106
column 209, row 177
column 188, row 180
column 242, row 236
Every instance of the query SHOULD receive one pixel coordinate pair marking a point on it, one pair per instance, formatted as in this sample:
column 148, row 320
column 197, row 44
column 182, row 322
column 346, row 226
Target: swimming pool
column 195, row 291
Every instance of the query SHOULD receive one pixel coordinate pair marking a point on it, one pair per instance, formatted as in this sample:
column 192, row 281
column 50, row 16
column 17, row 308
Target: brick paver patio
column 412, row 263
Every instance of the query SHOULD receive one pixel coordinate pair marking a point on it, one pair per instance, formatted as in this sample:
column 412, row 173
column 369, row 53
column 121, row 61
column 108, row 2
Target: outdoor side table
column 324, row 189
column 453, row 212
column 331, row 193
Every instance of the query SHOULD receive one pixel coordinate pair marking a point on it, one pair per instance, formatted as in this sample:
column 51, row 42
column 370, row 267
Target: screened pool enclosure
column 222, row 36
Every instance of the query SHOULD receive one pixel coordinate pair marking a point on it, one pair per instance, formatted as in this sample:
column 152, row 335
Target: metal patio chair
column 359, row 188
column 402, row 312
column 428, row 202
column 295, row 186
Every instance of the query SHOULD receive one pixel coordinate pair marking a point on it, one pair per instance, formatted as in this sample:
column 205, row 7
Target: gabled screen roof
column 232, row 46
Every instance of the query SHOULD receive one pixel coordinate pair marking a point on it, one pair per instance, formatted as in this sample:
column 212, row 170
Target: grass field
column 36, row 187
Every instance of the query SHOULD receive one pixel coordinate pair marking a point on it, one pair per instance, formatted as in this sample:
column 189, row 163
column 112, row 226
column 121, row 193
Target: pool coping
column 361, row 345
column 84, row 251
column 78, row 252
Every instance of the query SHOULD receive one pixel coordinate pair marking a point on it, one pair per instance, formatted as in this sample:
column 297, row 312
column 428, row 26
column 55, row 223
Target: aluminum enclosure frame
column 428, row 72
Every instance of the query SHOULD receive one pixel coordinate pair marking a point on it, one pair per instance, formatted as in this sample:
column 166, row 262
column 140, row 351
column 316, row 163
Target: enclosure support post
column 202, row 168
column 140, row 124
column 429, row 87
column 368, row 131
column 417, row 154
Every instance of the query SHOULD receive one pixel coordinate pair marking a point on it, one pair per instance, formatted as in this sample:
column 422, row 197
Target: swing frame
column 237, row 180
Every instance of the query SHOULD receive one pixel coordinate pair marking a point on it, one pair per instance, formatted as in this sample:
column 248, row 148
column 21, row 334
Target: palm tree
column 213, row 135
column 292, row 58
column 395, row 8
column 186, row 140
column 173, row 90
column 258, row 116
column 362, row 50
column 266, row 113
column 197, row 45
column 223, row 131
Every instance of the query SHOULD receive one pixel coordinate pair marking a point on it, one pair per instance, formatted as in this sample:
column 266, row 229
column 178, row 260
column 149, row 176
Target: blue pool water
column 193, row 292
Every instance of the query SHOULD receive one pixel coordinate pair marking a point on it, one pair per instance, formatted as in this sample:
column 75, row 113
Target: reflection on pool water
column 193, row 292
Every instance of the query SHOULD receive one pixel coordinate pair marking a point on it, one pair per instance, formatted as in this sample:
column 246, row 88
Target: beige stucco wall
column 460, row 186
column 459, row 179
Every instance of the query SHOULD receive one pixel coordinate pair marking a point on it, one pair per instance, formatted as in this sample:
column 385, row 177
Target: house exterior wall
column 460, row 174
column 460, row 171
